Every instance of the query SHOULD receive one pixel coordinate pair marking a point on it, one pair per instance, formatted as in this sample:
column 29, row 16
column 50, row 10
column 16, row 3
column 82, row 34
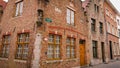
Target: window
column 115, row 31
column 22, row 46
column 119, row 33
column 70, row 49
column 70, row 17
column 107, row 12
column 108, row 27
column 115, row 49
column 94, row 43
column 53, row 52
column 101, row 28
column 118, row 21
column 119, row 48
column 5, row 46
column 96, row 8
column 112, row 29
column 93, row 24
column 19, row 8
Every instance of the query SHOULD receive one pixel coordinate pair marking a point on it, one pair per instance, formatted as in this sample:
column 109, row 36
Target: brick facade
column 41, row 18
column 110, row 13
column 96, row 13
column 54, row 10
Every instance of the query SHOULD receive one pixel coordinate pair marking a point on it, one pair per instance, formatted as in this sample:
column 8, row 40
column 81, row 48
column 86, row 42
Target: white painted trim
column 74, row 59
column 53, row 61
column 3, row 58
column 22, row 61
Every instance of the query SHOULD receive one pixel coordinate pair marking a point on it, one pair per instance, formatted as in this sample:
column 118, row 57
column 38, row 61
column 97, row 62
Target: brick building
column 2, row 7
column 110, row 13
column 118, row 28
column 43, row 34
column 96, row 31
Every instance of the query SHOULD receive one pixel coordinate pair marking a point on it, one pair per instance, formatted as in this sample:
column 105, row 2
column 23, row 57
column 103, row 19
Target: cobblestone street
column 115, row 64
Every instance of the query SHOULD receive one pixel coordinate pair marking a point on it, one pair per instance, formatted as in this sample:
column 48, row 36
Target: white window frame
column 19, row 8
column 70, row 16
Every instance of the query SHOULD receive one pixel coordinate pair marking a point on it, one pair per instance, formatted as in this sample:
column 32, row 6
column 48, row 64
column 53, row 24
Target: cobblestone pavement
column 115, row 64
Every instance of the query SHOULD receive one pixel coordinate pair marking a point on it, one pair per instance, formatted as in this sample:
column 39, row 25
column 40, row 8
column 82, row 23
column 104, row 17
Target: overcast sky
column 116, row 3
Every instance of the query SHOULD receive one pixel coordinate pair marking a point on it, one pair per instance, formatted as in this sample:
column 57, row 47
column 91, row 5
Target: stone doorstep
column 81, row 66
column 76, row 67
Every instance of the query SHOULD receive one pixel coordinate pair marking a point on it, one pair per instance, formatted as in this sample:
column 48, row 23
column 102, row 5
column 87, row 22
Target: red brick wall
column 110, row 36
column 27, row 22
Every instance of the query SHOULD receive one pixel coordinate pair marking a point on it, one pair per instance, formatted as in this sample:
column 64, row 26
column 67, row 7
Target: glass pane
column 68, row 41
column 20, row 38
column 72, row 41
column 72, row 52
column 5, row 39
column 25, row 52
column 19, row 51
column 27, row 38
column 3, row 50
column 57, row 51
column 8, row 39
column 68, row 52
column 17, row 9
column 72, row 17
column 50, row 51
column 68, row 16
column 7, row 50
column 57, row 39
column 51, row 38
column 21, row 7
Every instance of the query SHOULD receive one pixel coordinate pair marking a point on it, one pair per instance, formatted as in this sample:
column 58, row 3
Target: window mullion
column 54, row 47
column 70, row 48
column 22, row 46
column 5, row 54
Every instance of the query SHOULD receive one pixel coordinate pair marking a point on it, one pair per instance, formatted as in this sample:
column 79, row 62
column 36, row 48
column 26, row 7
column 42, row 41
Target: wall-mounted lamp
column 40, row 17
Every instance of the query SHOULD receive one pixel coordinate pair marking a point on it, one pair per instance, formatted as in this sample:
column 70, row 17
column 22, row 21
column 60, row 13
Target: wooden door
column 82, row 54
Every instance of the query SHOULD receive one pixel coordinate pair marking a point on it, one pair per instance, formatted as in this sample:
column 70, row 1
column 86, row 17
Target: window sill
column 73, row 26
column 53, row 61
column 93, row 31
column 21, row 61
column 19, row 16
column 3, row 58
column 95, row 58
column 72, row 59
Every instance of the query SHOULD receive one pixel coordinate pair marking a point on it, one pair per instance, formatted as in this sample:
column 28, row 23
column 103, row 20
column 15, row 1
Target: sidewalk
column 115, row 64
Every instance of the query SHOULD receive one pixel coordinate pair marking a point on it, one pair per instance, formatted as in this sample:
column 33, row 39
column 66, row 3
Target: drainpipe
column 38, row 38
column 37, row 51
